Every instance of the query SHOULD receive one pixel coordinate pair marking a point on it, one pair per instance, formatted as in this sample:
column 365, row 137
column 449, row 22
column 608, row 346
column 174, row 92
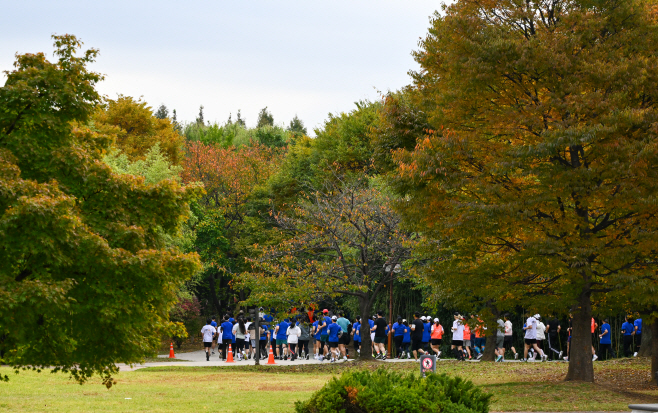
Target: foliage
column 388, row 391
column 265, row 118
column 155, row 167
column 81, row 246
column 162, row 112
column 536, row 177
column 136, row 129
column 185, row 314
column 297, row 126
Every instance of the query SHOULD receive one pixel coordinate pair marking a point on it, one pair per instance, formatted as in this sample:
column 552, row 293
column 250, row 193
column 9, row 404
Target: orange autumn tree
column 537, row 172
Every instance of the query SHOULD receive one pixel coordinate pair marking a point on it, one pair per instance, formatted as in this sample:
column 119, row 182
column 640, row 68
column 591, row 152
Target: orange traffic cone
column 229, row 359
column 270, row 359
column 171, row 351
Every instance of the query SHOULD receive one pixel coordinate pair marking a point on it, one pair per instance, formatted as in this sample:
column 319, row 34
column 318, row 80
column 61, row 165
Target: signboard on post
column 427, row 365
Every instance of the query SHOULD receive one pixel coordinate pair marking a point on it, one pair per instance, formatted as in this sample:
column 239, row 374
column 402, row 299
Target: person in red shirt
column 594, row 326
column 436, row 337
column 467, row 340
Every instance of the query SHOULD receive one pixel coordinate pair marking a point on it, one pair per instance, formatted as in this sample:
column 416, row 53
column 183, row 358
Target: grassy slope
column 516, row 387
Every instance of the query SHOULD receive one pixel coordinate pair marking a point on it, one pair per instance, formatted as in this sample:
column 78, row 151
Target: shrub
column 384, row 391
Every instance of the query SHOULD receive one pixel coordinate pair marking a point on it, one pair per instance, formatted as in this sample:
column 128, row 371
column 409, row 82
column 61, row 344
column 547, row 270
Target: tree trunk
column 654, row 350
column 490, row 347
column 365, row 307
column 581, row 367
column 648, row 331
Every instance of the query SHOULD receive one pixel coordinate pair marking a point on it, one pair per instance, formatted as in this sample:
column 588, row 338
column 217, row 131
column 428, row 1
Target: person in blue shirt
column 334, row 332
column 214, row 340
column 282, row 339
column 356, row 334
column 324, row 335
column 398, row 335
column 263, row 339
column 316, row 335
column 427, row 333
column 638, row 335
column 606, row 343
column 627, row 330
column 226, row 329
column 406, row 339
column 371, row 323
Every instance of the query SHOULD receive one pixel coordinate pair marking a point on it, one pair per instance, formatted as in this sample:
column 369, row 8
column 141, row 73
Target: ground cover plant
column 515, row 387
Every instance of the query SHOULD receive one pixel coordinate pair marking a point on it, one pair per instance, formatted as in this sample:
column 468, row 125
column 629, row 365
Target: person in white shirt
column 508, row 339
column 293, row 332
column 457, row 337
column 531, row 338
column 541, row 333
column 208, row 332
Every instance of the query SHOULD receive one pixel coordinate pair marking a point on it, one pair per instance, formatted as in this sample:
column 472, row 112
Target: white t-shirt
column 208, row 332
column 237, row 333
column 508, row 328
column 531, row 333
column 458, row 330
column 293, row 334
column 541, row 329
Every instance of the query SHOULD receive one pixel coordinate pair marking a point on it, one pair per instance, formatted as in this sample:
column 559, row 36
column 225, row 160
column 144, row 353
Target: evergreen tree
column 174, row 121
column 199, row 118
column 265, row 118
column 240, row 120
column 297, row 126
column 162, row 112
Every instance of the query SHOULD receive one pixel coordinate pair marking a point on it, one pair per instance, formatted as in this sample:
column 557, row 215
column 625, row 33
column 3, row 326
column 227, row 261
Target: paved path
column 198, row 359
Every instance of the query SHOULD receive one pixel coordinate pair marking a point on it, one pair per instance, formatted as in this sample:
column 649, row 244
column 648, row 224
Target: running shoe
column 479, row 356
column 384, row 357
column 595, row 357
column 344, row 358
column 499, row 359
column 249, row 357
column 516, row 356
column 207, row 357
column 544, row 358
column 285, row 357
column 566, row 358
column 635, row 354
column 307, row 357
column 213, row 353
column 559, row 356
column 333, row 361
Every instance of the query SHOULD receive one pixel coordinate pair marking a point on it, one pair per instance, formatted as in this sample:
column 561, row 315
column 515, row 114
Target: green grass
column 516, row 387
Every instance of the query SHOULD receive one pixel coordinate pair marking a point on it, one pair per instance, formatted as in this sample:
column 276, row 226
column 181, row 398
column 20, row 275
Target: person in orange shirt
column 594, row 326
column 467, row 340
column 436, row 337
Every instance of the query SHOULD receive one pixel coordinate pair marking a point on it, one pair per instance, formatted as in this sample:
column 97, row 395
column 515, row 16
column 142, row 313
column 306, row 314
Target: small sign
column 427, row 365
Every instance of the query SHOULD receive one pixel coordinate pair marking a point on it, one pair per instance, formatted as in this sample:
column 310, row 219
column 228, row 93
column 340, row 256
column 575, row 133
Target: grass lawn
column 516, row 387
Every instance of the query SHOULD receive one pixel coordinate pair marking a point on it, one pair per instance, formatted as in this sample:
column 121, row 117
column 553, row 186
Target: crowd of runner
column 326, row 336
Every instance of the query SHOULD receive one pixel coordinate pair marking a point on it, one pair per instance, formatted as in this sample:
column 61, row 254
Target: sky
column 305, row 58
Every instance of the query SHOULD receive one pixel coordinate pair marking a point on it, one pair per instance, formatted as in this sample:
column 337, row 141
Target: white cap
column 537, row 316
column 423, row 317
column 436, row 319
column 333, row 317
column 404, row 320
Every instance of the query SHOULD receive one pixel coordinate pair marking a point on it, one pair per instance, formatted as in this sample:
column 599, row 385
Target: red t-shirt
column 467, row 332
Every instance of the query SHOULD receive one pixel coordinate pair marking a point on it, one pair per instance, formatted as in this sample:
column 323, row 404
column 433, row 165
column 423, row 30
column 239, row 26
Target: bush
column 384, row 391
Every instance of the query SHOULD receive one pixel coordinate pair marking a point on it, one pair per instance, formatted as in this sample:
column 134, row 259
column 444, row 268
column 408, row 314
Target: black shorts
column 333, row 345
column 380, row 340
column 227, row 341
column 344, row 339
column 458, row 343
column 207, row 343
column 436, row 341
column 416, row 345
column 530, row 341
column 508, row 343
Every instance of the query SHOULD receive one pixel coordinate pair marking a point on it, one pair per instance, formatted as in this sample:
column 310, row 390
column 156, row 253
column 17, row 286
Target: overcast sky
column 308, row 58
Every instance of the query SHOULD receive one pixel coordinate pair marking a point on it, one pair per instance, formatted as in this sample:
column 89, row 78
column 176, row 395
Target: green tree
column 154, row 168
column 162, row 112
column 199, row 118
column 537, row 172
column 265, row 118
column 85, row 281
column 297, row 126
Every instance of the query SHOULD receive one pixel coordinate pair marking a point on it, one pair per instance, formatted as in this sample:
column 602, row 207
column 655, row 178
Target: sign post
column 427, row 365
column 253, row 313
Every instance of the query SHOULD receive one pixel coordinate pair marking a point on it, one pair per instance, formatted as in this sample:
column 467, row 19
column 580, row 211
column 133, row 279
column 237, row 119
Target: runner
column 569, row 330
column 249, row 339
column 418, row 329
column 406, row 339
column 457, row 337
column 263, row 353
column 345, row 337
column 467, row 341
column 398, row 335
column 292, row 338
column 500, row 341
column 371, row 324
column 427, row 333
column 208, row 332
column 334, row 332
column 356, row 335
column 282, row 338
column 541, row 333
column 594, row 325
column 379, row 327
column 638, row 335
column 479, row 336
column 324, row 335
column 304, row 337
column 627, row 330
column 531, row 338
column 605, row 345
column 226, row 328
column 239, row 331
column 214, row 340
column 552, row 330
column 317, row 335
column 509, row 336
column 437, row 336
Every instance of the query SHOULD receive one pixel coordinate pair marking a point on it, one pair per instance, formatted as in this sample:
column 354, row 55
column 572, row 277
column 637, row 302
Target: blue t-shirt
column 283, row 328
column 327, row 320
column 227, row 331
column 371, row 323
column 398, row 329
column 333, row 330
column 638, row 323
column 427, row 332
column 268, row 318
column 628, row 328
column 407, row 335
column 264, row 335
column 357, row 331
column 213, row 323
column 386, row 331
column 606, row 338
column 317, row 331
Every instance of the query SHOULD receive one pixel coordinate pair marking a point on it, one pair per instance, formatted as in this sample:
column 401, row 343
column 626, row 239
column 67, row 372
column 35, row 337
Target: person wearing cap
column 316, row 333
column 324, row 335
column 334, row 332
column 427, row 333
column 457, row 345
column 531, row 338
column 437, row 337
column 541, row 333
